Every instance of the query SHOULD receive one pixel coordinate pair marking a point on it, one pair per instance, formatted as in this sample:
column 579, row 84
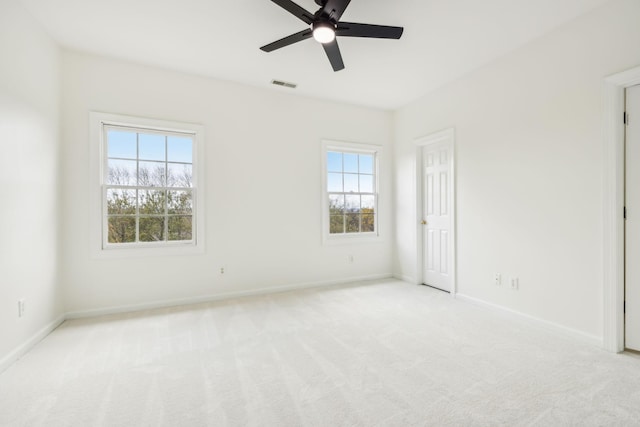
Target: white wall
column 29, row 142
column 529, row 177
column 263, row 220
column 529, row 168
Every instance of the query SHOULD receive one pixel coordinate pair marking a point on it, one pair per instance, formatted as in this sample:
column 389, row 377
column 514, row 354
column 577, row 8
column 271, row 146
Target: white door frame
column 613, row 194
column 446, row 137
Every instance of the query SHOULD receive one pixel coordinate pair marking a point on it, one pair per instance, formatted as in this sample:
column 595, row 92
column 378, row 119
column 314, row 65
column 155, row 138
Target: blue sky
column 349, row 162
column 122, row 144
column 349, row 172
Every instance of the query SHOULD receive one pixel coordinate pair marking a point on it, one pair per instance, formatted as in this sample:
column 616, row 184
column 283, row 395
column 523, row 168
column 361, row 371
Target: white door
column 437, row 162
column 632, row 224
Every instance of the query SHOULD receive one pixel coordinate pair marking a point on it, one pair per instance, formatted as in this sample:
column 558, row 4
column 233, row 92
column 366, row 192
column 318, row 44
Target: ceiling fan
column 325, row 26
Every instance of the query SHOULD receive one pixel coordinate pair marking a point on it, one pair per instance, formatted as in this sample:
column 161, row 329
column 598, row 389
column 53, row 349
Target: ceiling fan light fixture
column 324, row 32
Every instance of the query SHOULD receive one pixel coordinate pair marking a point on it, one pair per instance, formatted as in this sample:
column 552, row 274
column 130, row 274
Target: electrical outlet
column 222, row 269
column 350, row 259
column 515, row 283
column 21, row 307
column 497, row 279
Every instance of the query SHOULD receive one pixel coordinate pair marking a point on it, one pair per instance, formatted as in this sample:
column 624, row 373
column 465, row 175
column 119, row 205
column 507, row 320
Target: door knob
column 423, row 222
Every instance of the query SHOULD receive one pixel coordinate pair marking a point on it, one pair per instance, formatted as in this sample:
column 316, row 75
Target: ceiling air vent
column 285, row 84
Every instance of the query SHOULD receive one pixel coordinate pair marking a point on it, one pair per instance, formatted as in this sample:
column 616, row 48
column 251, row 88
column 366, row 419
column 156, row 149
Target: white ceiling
column 443, row 40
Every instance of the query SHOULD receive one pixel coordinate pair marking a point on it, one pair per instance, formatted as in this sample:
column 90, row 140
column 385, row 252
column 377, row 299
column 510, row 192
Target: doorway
column 436, row 210
column 613, row 250
column 632, row 223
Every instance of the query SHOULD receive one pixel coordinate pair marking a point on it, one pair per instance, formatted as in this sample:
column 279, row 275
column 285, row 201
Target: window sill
column 151, row 251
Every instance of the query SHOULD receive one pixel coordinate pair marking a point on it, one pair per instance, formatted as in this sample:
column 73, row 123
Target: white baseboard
column 405, row 278
column 217, row 297
column 582, row 336
column 22, row 349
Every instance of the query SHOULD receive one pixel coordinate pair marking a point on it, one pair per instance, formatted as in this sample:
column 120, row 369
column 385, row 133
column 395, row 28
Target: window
column 350, row 190
column 149, row 186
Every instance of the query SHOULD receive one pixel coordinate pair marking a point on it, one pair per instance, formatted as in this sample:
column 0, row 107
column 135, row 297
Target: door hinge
column 624, row 307
column 625, row 118
column 624, row 214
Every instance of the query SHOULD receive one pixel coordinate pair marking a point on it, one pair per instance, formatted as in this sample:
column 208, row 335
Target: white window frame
column 356, row 148
column 100, row 248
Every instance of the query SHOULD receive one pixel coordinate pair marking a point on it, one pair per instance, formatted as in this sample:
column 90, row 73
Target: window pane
column 368, row 203
column 151, row 174
column 180, row 227
column 121, row 202
column 334, row 161
column 151, row 202
column 352, row 203
column 350, row 162
column 336, row 224
column 121, row 144
column 353, row 223
column 353, row 209
column 366, row 183
column 151, row 147
column 334, row 183
column 180, row 149
column 366, row 163
column 179, row 202
column 122, row 229
column 151, row 229
column 148, row 183
column 179, row 175
column 336, row 204
column 121, row 172
column 350, row 183
column 368, row 223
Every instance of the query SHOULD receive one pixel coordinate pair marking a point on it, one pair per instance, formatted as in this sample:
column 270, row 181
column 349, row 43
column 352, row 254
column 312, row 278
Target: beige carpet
column 373, row 354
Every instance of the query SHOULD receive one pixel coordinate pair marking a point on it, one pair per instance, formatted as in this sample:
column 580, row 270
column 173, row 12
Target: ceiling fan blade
column 333, row 53
column 335, row 8
column 295, row 10
column 286, row 41
column 351, row 29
